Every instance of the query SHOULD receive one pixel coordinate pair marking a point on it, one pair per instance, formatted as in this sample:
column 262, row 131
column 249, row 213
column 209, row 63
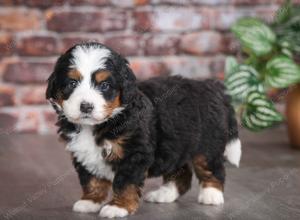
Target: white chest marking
column 86, row 152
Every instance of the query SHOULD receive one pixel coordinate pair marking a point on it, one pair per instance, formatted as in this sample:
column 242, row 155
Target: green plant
column 287, row 27
column 268, row 63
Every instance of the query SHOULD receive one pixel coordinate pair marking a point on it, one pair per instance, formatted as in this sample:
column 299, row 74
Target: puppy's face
column 90, row 84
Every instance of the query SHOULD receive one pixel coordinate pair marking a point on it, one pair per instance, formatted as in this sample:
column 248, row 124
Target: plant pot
column 293, row 116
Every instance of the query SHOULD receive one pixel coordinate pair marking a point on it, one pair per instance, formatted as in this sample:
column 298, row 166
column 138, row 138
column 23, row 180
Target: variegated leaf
column 255, row 36
column 242, row 81
column 259, row 112
column 231, row 65
column 281, row 72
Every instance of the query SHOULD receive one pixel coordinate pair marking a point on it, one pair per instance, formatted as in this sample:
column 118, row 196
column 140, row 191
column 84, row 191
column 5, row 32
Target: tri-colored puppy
column 120, row 131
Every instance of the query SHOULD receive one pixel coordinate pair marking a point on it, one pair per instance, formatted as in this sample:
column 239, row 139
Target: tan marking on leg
column 127, row 199
column 204, row 175
column 182, row 179
column 96, row 190
column 213, row 182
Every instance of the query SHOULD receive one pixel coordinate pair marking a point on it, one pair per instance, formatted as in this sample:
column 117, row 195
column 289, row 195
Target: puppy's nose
column 86, row 107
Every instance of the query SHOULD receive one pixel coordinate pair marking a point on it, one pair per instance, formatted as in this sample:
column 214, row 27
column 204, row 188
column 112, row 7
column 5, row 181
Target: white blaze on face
column 87, row 60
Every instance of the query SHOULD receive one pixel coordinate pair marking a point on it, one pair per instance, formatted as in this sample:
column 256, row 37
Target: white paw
column 112, row 211
column 86, row 206
column 210, row 196
column 165, row 194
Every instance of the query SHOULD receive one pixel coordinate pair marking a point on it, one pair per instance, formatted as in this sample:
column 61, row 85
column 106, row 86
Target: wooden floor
column 37, row 181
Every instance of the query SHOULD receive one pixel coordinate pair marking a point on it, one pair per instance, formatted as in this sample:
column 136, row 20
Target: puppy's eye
column 105, row 86
column 72, row 84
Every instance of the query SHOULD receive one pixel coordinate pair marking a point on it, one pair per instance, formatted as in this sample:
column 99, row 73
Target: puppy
column 120, row 131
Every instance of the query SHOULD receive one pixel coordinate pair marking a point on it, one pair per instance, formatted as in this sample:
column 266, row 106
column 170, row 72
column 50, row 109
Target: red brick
column 27, row 72
column 146, row 68
column 8, row 123
column 210, row 2
column 33, row 3
column 141, row 2
column 142, row 21
column 18, row 20
column 251, row 2
column 100, row 21
column 68, row 42
column 210, row 15
column 90, row 2
column 162, row 45
column 6, row 44
column 29, row 121
column 50, row 119
column 7, row 95
column 127, row 45
column 224, row 18
column 129, row 3
column 168, row 19
column 207, row 42
column 230, row 44
column 266, row 13
column 217, row 67
column 38, row 46
column 171, row 2
column 191, row 67
column 33, row 95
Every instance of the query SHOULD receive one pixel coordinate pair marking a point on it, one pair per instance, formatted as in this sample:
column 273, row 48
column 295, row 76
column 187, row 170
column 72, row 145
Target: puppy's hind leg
column 211, row 180
column 175, row 184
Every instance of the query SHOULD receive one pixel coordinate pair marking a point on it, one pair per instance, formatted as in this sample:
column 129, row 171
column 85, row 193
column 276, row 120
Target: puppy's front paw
column 210, row 196
column 86, row 206
column 112, row 211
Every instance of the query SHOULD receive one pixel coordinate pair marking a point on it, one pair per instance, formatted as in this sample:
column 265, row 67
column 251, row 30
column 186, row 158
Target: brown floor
column 37, row 181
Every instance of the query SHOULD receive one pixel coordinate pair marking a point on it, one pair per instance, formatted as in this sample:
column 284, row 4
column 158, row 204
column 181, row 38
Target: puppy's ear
column 127, row 72
column 51, row 93
column 129, row 87
column 51, row 88
column 53, row 81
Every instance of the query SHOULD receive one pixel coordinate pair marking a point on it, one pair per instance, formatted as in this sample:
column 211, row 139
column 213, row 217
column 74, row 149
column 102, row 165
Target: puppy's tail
column 233, row 149
column 233, row 152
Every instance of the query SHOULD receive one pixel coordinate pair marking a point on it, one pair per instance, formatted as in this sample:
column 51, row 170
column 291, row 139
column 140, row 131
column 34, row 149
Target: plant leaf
column 242, row 81
column 283, row 13
column 281, row 72
column 231, row 65
column 259, row 112
column 287, row 52
column 289, row 32
column 255, row 36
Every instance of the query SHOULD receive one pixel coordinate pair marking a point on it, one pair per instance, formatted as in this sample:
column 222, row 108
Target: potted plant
column 269, row 62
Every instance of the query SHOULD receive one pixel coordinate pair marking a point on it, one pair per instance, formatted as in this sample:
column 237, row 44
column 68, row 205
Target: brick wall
column 160, row 37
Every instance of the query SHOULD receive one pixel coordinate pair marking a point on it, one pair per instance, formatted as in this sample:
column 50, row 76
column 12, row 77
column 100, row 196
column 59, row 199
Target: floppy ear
column 51, row 93
column 51, row 88
column 129, row 86
column 53, row 80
